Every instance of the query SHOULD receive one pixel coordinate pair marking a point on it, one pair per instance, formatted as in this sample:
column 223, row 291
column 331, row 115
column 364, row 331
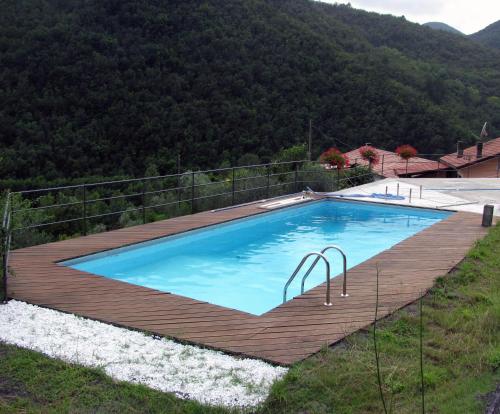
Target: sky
column 468, row 16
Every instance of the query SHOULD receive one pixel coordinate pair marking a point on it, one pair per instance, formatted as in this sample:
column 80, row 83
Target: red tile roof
column 490, row 149
column 391, row 165
column 420, row 167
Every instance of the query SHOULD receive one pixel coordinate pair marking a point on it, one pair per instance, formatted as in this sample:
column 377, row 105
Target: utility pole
column 310, row 141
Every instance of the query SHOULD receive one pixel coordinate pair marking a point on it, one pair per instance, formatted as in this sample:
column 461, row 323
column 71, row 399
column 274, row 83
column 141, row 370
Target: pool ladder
column 319, row 256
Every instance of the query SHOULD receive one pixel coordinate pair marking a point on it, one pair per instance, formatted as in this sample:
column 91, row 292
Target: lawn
column 461, row 347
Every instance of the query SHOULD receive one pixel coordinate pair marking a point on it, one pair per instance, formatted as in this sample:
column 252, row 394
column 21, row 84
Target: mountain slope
column 104, row 88
column 442, row 26
column 489, row 36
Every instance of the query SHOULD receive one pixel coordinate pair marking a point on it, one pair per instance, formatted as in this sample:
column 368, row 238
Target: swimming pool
column 244, row 264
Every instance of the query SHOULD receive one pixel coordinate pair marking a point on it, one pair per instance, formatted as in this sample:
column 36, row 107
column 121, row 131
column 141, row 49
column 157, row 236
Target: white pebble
column 207, row 376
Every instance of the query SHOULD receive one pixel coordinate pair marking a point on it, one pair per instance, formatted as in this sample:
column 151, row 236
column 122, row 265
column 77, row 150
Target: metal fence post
column 6, row 227
column 382, row 167
column 338, row 179
column 5, row 264
column 192, row 192
column 268, row 185
column 4, row 270
column 84, row 209
column 179, row 190
column 233, row 188
column 143, row 201
column 295, row 176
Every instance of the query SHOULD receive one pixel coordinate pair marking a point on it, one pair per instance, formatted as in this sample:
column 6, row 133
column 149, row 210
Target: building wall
column 486, row 169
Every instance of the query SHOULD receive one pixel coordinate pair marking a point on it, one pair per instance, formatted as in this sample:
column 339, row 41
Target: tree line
column 110, row 89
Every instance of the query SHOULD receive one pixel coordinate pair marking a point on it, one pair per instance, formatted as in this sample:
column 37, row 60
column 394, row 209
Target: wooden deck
column 286, row 334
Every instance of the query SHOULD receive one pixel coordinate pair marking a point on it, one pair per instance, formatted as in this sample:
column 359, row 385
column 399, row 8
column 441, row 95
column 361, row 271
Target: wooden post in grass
column 377, row 359
column 421, row 329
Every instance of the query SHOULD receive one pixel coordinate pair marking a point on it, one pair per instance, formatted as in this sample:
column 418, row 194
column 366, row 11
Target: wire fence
column 38, row 216
column 48, row 214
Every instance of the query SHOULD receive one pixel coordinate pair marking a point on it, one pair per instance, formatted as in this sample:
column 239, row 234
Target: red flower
column 406, row 152
column 335, row 158
column 370, row 154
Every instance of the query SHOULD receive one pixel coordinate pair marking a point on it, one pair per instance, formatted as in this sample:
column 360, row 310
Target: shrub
column 335, row 158
column 370, row 154
column 406, row 152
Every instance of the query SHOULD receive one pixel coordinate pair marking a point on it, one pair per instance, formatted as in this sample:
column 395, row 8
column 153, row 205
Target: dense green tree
column 92, row 88
column 489, row 36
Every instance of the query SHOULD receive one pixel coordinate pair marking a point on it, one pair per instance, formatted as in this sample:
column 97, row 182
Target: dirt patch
column 9, row 388
column 493, row 401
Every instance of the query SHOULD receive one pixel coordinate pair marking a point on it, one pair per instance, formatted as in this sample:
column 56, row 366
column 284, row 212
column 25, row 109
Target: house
column 479, row 161
column 391, row 165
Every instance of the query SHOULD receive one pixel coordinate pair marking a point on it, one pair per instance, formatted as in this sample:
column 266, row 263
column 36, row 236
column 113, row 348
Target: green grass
column 31, row 382
column 461, row 362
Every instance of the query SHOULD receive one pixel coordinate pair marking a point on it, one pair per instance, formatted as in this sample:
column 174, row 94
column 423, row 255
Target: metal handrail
column 344, row 293
column 327, row 264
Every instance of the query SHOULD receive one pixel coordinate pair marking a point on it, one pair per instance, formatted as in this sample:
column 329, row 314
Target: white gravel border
column 207, row 376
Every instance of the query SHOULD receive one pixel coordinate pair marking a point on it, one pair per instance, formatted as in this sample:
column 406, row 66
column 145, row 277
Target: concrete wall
column 485, row 169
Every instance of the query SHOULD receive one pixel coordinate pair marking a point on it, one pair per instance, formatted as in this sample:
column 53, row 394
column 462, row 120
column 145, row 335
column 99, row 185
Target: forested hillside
column 489, row 36
column 443, row 26
column 113, row 87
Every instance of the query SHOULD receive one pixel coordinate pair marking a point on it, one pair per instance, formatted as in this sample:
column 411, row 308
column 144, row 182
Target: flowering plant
column 370, row 154
column 335, row 158
column 406, row 152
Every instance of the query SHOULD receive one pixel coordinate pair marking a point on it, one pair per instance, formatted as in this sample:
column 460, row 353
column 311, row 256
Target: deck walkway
column 286, row 334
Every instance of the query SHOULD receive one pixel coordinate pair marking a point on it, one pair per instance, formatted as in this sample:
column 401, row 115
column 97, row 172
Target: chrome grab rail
column 344, row 257
column 319, row 255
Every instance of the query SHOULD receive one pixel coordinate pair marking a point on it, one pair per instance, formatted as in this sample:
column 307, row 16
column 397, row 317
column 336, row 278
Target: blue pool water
column 244, row 264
